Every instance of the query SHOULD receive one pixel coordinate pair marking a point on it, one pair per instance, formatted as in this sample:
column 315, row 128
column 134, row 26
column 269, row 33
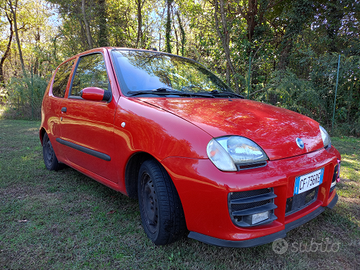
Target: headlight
column 227, row 152
column 325, row 137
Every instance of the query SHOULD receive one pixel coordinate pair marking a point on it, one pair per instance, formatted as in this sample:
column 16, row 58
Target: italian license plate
column 308, row 181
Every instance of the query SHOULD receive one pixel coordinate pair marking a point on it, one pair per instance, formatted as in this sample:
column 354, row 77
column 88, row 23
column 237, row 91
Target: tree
column 103, row 33
column 183, row 34
column 13, row 10
column 139, row 37
column 8, row 46
column 297, row 15
column 223, row 30
column 168, row 25
column 87, row 26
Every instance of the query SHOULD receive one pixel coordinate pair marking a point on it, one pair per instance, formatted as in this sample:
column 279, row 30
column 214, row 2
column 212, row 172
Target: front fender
column 146, row 128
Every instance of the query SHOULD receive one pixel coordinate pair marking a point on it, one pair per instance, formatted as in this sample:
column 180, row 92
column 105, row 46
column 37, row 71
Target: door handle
column 63, row 109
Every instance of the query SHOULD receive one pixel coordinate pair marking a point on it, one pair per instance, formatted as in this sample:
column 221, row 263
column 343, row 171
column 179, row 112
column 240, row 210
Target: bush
column 24, row 97
column 312, row 91
column 286, row 90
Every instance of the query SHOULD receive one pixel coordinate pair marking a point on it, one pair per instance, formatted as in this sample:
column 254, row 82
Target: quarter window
column 61, row 79
column 90, row 72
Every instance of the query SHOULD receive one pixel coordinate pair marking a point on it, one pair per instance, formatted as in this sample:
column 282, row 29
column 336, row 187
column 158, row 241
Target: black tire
column 50, row 159
column 161, row 211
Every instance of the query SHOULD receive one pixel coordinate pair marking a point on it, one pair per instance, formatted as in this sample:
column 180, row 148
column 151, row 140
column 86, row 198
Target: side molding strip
column 84, row 149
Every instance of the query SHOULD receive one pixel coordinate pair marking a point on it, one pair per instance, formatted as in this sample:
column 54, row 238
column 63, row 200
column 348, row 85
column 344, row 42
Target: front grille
column 335, row 176
column 260, row 164
column 300, row 201
column 243, row 205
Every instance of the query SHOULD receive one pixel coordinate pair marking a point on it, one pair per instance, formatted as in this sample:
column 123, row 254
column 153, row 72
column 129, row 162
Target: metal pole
column 249, row 76
column 337, row 82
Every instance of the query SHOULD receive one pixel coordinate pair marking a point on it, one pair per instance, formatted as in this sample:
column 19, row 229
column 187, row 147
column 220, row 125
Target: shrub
column 312, row 91
column 24, row 97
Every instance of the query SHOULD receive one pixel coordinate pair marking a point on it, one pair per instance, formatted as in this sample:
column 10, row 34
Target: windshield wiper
column 163, row 91
column 157, row 91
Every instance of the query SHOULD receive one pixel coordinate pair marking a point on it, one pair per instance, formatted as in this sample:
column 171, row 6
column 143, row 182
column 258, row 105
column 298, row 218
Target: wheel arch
column 132, row 171
column 161, row 210
column 42, row 132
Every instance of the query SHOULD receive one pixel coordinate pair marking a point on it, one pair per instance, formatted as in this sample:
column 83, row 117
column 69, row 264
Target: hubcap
column 49, row 152
column 150, row 204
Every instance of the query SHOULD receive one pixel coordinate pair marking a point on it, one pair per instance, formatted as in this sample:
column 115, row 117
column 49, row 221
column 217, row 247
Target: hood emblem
column 300, row 143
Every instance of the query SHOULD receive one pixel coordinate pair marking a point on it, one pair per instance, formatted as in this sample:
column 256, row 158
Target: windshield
column 155, row 73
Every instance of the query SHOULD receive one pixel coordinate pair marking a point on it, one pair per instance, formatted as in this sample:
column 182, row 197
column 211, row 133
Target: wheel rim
column 49, row 152
column 150, row 204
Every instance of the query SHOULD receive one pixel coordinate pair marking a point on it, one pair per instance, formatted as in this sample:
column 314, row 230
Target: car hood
column 274, row 129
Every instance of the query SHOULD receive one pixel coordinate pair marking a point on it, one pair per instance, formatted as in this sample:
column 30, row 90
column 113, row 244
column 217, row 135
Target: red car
column 199, row 157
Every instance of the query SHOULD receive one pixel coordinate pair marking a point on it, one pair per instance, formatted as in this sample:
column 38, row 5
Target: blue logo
column 300, row 143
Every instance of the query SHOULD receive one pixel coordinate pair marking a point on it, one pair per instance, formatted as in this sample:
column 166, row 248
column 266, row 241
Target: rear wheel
column 50, row 159
column 161, row 212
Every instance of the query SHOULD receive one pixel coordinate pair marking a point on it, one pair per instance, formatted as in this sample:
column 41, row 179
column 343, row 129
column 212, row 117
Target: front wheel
column 50, row 159
column 161, row 212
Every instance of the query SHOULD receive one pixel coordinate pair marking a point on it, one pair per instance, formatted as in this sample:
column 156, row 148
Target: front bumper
column 204, row 190
column 264, row 239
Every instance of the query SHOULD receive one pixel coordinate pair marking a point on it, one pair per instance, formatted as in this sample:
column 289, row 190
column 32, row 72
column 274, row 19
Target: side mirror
column 95, row 94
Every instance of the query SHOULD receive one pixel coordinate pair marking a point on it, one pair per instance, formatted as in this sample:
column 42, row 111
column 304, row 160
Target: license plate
column 308, row 181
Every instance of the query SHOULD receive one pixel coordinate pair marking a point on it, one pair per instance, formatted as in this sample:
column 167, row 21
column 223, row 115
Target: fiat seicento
column 198, row 157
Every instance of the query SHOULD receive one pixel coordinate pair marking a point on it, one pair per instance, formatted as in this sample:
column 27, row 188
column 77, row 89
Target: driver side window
column 90, row 72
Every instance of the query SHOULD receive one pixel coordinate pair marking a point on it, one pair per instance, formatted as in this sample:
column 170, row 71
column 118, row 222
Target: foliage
column 25, row 97
column 314, row 94
column 286, row 90
column 280, row 51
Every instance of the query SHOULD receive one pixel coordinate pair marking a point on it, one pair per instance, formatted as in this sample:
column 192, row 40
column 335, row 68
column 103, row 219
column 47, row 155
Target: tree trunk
column 140, row 4
column 87, row 26
column 183, row 37
column 159, row 41
column 13, row 12
column 251, row 18
column 168, row 26
column 37, row 40
column 225, row 39
column 83, row 36
column 103, row 40
column 7, row 51
column 176, row 38
column 254, row 14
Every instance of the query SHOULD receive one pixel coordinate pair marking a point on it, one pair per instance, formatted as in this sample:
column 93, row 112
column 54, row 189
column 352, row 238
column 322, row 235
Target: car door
column 52, row 104
column 87, row 126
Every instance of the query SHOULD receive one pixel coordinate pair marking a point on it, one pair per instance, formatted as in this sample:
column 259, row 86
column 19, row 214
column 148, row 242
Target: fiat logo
column 300, row 143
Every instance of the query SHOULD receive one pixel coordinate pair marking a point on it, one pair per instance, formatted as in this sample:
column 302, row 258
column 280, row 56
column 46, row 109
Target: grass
column 64, row 220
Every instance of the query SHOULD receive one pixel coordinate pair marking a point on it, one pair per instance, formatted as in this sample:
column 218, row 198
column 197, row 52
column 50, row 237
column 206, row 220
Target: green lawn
column 64, row 220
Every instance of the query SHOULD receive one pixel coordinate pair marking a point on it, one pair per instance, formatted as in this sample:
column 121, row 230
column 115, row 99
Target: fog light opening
column 338, row 172
column 333, row 184
column 256, row 218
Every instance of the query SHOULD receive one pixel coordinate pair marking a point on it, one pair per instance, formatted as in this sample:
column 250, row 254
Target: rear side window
column 90, row 72
column 61, row 79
